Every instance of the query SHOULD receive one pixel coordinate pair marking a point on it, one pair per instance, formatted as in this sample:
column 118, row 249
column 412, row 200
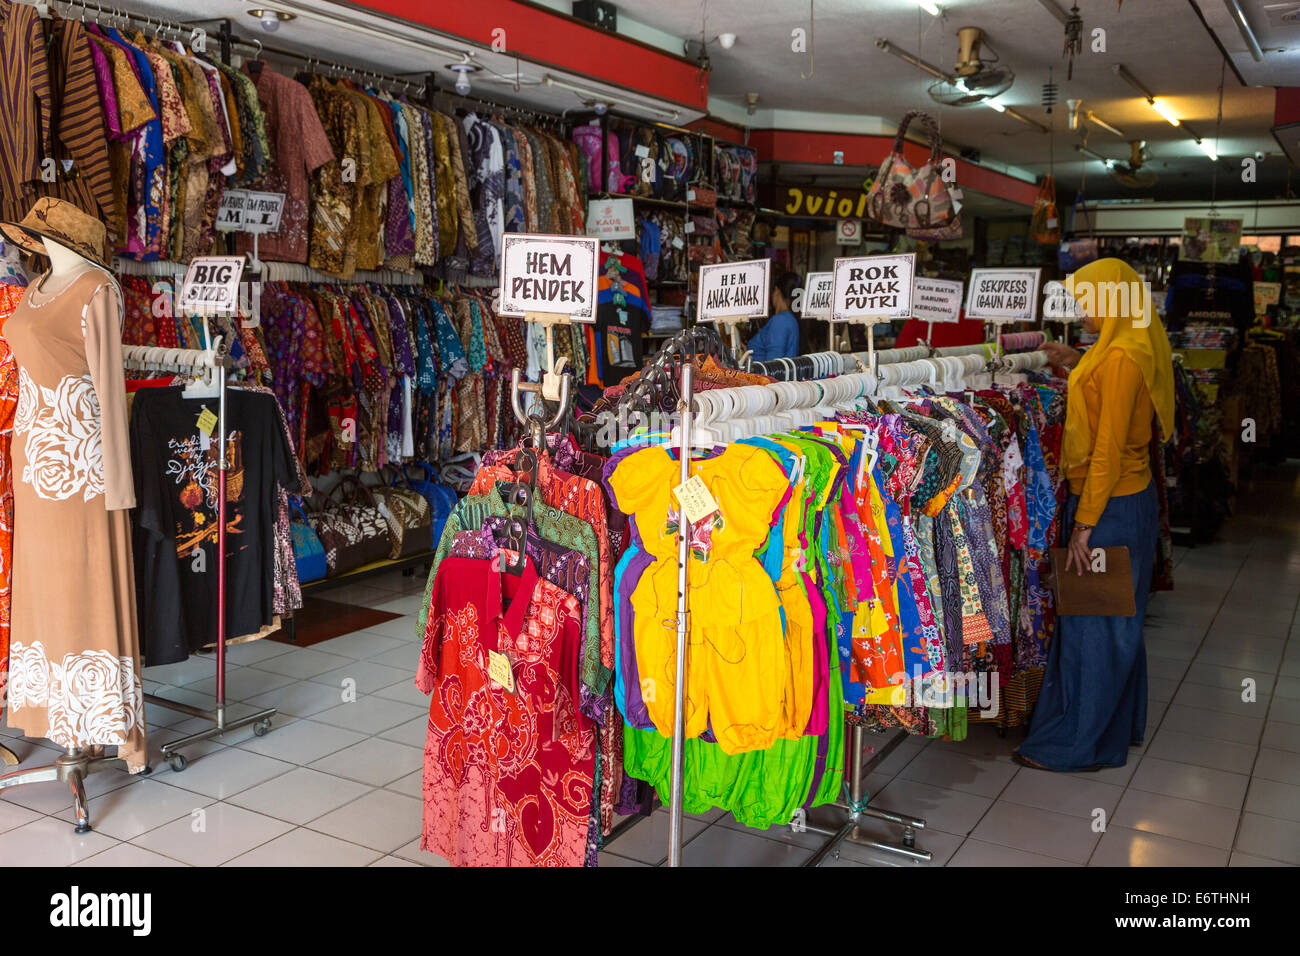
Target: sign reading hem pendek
column 734, row 291
column 873, row 288
column 551, row 275
column 1003, row 295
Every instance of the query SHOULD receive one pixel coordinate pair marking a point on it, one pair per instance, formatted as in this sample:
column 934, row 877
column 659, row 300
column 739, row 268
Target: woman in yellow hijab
column 1093, row 704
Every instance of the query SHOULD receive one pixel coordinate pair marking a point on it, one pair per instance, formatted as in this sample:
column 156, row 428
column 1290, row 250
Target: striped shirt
column 25, row 130
column 80, row 138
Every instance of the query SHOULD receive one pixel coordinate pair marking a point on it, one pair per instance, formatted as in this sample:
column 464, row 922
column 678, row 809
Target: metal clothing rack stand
column 215, row 362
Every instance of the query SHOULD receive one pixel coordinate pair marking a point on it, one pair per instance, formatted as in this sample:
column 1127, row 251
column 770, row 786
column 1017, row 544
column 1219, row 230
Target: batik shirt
column 508, row 773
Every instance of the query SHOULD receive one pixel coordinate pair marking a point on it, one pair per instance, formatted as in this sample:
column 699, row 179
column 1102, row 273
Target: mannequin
column 66, row 267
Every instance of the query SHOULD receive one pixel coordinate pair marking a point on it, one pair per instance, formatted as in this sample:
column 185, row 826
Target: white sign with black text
column 245, row 210
column 611, row 219
column 549, row 274
column 211, row 286
column 734, row 290
column 816, row 295
column 873, row 288
column 1003, row 295
column 936, row 300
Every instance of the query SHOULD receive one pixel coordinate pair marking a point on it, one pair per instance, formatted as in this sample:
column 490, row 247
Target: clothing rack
column 213, row 362
column 787, row 398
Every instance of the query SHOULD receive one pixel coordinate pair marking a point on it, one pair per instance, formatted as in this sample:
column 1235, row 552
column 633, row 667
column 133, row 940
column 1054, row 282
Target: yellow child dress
column 737, row 672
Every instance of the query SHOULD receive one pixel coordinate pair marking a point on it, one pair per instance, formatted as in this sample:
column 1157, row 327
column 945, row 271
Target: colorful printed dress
column 10, row 296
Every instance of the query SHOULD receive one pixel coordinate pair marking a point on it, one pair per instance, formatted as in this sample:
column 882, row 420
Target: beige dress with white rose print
column 74, row 663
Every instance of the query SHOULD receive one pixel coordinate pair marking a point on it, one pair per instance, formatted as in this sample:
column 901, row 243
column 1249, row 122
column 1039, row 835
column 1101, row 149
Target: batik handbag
column 409, row 517
column 907, row 198
column 367, row 530
column 337, row 538
column 308, row 552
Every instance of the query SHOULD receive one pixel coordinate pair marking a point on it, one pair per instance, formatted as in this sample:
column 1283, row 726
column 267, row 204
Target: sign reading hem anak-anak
column 553, row 275
column 734, row 290
column 873, row 288
column 1003, row 295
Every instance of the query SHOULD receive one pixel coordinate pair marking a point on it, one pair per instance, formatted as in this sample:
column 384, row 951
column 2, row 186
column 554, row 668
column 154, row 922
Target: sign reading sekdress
column 74, row 661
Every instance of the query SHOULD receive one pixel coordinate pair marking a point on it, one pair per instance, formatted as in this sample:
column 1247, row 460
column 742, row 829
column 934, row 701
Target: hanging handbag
column 409, row 517
column 951, row 231
column 908, row 198
column 1045, row 224
column 308, row 552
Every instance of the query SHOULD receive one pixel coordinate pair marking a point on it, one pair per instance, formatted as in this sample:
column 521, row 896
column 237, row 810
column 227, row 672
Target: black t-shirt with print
column 619, row 329
column 175, row 519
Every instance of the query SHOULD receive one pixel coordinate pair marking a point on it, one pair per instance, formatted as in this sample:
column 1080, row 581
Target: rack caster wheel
column 262, row 727
column 909, row 838
column 178, row 762
column 83, row 829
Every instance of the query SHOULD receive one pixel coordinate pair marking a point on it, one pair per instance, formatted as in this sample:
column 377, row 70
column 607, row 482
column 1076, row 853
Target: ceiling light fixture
column 271, row 19
column 930, row 8
column 671, row 114
column 1165, row 110
column 726, row 40
column 917, row 62
column 1159, row 106
column 1208, row 150
column 462, row 71
column 991, row 104
column 418, row 40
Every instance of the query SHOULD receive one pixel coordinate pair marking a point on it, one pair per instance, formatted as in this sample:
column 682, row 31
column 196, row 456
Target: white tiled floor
column 338, row 782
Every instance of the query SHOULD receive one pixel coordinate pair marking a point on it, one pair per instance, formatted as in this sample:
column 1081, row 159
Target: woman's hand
column 1079, row 553
column 1058, row 353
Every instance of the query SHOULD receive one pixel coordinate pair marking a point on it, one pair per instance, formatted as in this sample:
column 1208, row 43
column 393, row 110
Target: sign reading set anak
column 936, row 300
column 815, row 300
column 1003, row 295
column 554, row 275
column 734, row 290
column 873, row 288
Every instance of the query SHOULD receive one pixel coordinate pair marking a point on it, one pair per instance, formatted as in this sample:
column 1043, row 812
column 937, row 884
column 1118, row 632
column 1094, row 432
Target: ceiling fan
column 1134, row 175
column 973, row 80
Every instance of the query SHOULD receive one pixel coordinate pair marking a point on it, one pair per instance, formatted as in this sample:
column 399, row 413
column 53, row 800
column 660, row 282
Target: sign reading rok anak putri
column 873, row 288
column 553, row 275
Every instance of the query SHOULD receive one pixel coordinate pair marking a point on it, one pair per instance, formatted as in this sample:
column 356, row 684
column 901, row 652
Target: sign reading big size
column 211, row 286
column 553, row 275
column 873, row 288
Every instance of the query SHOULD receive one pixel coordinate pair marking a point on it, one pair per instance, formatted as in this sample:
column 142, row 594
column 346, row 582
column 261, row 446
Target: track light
column 1208, row 150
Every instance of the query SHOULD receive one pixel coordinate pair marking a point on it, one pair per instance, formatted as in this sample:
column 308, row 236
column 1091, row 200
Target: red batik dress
column 507, row 776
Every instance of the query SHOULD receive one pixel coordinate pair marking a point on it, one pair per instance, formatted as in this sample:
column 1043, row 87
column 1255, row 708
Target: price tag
column 643, row 151
column 207, row 421
column 677, row 242
column 696, row 501
column 500, row 672
column 1051, row 223
column 689, row 227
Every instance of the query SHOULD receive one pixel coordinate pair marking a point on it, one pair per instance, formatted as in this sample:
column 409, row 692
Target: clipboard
column 1106, row 593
